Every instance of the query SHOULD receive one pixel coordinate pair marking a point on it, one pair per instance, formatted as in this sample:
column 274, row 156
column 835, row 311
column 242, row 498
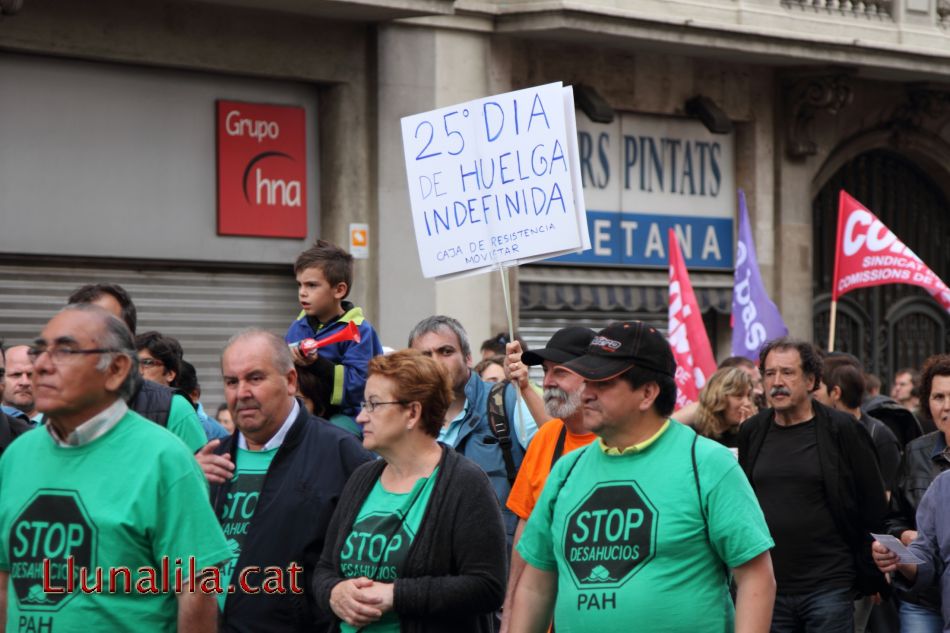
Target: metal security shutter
column 201, row 307
column 551, row 298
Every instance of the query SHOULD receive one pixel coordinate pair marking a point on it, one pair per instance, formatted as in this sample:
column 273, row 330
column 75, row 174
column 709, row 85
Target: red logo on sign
column 262, row 170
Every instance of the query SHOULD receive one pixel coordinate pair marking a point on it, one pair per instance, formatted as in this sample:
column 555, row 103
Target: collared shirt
column 13, row 412
column 449, row 433
column 940, row 452
column 636, row 448
column 281, row 433
column 96, row 426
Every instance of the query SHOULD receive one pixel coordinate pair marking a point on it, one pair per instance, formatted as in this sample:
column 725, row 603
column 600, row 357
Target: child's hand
column 301, row 359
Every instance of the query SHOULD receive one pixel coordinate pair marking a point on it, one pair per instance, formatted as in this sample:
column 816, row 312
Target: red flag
column 867, row 254
column 687, row 333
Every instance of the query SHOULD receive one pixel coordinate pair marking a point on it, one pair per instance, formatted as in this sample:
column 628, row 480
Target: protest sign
column 756, row 319
column 869, row 254
column 687, row 333
column 495, row 180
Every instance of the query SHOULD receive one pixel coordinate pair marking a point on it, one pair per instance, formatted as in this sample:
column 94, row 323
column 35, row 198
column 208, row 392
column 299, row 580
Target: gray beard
column 560, row 404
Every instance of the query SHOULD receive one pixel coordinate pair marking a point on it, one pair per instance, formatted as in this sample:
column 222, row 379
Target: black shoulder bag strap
column 559, row 447
column 702, row 508
column 501, row 427
column 699, row 490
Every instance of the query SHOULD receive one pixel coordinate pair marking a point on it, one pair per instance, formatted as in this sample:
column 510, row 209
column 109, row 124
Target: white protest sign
column 493, row 181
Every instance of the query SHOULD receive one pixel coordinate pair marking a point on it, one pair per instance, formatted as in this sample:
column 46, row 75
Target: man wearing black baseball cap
column 562, row 430
column 644, row 520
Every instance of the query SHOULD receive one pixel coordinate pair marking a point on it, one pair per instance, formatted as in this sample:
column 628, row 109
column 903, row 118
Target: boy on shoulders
column 324, row 278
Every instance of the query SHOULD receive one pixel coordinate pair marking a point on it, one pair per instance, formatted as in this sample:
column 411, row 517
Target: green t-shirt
column 238, row 509
column 627, row 538
column 183, row 421
column 380, row 538
column 130, row 499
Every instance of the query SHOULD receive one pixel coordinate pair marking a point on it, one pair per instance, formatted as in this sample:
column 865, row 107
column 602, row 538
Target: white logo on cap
column 606, row 344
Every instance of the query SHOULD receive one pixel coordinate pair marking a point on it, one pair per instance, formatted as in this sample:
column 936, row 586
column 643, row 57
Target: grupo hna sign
column 262, row 170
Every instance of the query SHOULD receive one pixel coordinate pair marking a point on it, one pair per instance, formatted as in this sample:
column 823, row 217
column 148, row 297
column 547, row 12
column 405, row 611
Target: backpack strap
column 559, row 447
column 699, row 490
column 702, row 507
column 501, row 427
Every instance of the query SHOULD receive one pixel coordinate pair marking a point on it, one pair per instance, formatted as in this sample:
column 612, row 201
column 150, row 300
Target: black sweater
column 453, row 578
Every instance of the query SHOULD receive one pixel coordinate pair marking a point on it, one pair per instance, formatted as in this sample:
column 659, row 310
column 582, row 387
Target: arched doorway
column 892, row 326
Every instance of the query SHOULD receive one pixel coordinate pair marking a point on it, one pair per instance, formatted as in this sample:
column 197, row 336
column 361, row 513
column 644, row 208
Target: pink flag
column 687, row 334
column 867, row 253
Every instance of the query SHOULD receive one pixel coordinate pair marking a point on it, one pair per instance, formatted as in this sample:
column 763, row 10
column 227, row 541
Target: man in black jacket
column 842, row 387
column 815, row 474
column 288, row 471
column 10, row 427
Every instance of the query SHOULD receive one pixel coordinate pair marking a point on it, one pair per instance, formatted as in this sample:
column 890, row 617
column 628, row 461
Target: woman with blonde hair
column 724, row 403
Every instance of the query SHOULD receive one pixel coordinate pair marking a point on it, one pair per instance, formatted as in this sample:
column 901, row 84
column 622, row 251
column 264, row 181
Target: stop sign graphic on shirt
column 52, row 528
column 610, row 535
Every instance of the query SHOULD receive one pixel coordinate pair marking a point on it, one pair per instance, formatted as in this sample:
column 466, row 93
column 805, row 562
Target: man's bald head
column 277, row 348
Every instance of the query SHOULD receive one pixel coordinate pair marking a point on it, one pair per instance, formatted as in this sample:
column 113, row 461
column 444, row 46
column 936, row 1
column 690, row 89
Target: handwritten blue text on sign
column 490, row 180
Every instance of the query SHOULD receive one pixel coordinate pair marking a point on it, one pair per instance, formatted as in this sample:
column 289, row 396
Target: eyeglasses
column 150, row 362
column 369, row 406
column 64, row 353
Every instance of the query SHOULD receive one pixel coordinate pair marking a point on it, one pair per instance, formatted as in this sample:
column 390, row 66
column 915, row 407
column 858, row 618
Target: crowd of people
column 341, row 488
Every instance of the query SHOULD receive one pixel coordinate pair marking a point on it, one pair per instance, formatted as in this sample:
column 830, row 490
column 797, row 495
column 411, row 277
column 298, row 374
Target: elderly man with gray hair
column 112, row 527
column 289, row 469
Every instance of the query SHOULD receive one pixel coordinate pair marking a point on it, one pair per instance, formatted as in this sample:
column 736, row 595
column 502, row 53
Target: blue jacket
column 212, row 428
column 933, row 545
column 477, row 442
column 344, row 363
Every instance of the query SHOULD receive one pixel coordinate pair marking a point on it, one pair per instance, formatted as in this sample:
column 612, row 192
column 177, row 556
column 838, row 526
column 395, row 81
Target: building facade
column 108, row 155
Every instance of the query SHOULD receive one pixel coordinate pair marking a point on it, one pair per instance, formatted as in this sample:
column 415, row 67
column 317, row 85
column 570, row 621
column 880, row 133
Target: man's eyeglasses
column 369, row 406
column 63, row 353
column 150, row 362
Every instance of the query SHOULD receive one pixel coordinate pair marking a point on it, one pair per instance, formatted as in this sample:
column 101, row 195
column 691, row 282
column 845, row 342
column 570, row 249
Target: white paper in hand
column 892, row 543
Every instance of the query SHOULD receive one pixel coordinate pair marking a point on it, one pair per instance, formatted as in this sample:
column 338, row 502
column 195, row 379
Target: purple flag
column 755, row 319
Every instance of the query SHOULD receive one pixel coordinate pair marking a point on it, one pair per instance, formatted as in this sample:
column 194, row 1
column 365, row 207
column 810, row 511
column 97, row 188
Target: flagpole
column 503, row 271
column 834, row 279
column 831, row 326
